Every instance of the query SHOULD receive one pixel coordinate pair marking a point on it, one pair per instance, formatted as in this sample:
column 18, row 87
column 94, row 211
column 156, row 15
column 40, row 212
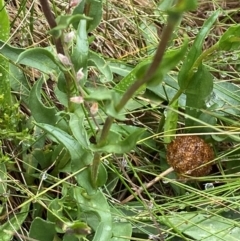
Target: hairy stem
column 52, row 23
column 167, row 32
column 59, row 47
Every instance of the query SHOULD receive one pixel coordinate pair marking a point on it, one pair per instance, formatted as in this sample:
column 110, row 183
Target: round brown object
column 188, row 154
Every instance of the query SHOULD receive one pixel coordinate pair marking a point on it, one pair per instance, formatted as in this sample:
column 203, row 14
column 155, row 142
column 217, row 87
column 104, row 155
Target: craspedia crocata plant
column 190, row 155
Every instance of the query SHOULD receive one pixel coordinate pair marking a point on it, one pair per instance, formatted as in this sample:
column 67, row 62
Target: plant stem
column 167, row 32
column 105, row 130
column 59, row 46
column 95, row 168
column 52, row 23
column 97, row 155
column 196, row 64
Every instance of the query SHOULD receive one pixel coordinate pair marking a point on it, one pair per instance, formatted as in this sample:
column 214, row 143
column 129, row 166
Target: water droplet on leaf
column 209, row 186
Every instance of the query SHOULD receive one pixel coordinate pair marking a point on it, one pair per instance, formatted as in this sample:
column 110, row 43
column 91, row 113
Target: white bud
column 77, row 99
column 64, row 60
column 124, row 163
column 80, row 74
column 94, row 108
column 68, row 37
column 74, row 3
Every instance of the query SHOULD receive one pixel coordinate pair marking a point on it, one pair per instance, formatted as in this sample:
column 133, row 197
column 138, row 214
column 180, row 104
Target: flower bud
column 64, row 60
column 94, row 108
column 68, row 37
column 77, row 99
column 80, row 74
column 74, row 3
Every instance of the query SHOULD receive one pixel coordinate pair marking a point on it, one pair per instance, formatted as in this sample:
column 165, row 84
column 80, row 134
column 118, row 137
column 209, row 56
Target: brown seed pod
column 189, row 155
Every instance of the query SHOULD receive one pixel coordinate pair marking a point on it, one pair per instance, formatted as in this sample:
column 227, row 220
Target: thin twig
column 151, row 183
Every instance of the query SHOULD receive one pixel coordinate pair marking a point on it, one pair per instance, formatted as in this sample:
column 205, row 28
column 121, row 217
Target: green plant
column 85, row 124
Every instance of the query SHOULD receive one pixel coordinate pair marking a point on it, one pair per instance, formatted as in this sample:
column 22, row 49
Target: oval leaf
column 230, row 40
column 40, row 112
column 41, row 59
column 63, row 21
column 195, row 51
column 102, row 66
column 121, row 147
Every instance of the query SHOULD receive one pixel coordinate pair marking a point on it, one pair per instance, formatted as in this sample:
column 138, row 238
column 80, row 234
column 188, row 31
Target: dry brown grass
column 119, row 35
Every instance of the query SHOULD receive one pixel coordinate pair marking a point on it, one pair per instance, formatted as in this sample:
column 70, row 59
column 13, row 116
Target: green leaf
column 5, row 89
column 81, row 49
column 63, row 21
column 65, row 139
column 193, row 111
column 42, row 157
column 79, row 157
column 97, row 204
column 84, row 178
column 57, row 210
column 19, row 83
column 199, row 89
column 3, row 183
column 76, row 124
column 42, row 230
column 150, row 34
column 40, row 112
column 200, row 85
column 170, row 125
column 113, row 137
column 127, row 81
column 166, row 90
column 205, row 227
column 61, row 157
column 122, row 232
column 61, row 96
column 111, row 99
column 121, row 69
column 5, row 25
column 195, row 80
column 92, row 9
column 103, row 232
column 230, row 40
column 120, row 147
column 14, row 223
column 68, row 237
column 41, row 59
column 10, row 52
column 186, row 70
column 30, row 166
column 100, row 94
column 184, row 5
column 77, row 228
column 170, row 60
column 102, row 175
column 79, row 9
column 97, row 61
column 172, row 57
column 95, row 12
column 110, row 107
column 210, row 121
column 226, row 96
column 165, row 5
